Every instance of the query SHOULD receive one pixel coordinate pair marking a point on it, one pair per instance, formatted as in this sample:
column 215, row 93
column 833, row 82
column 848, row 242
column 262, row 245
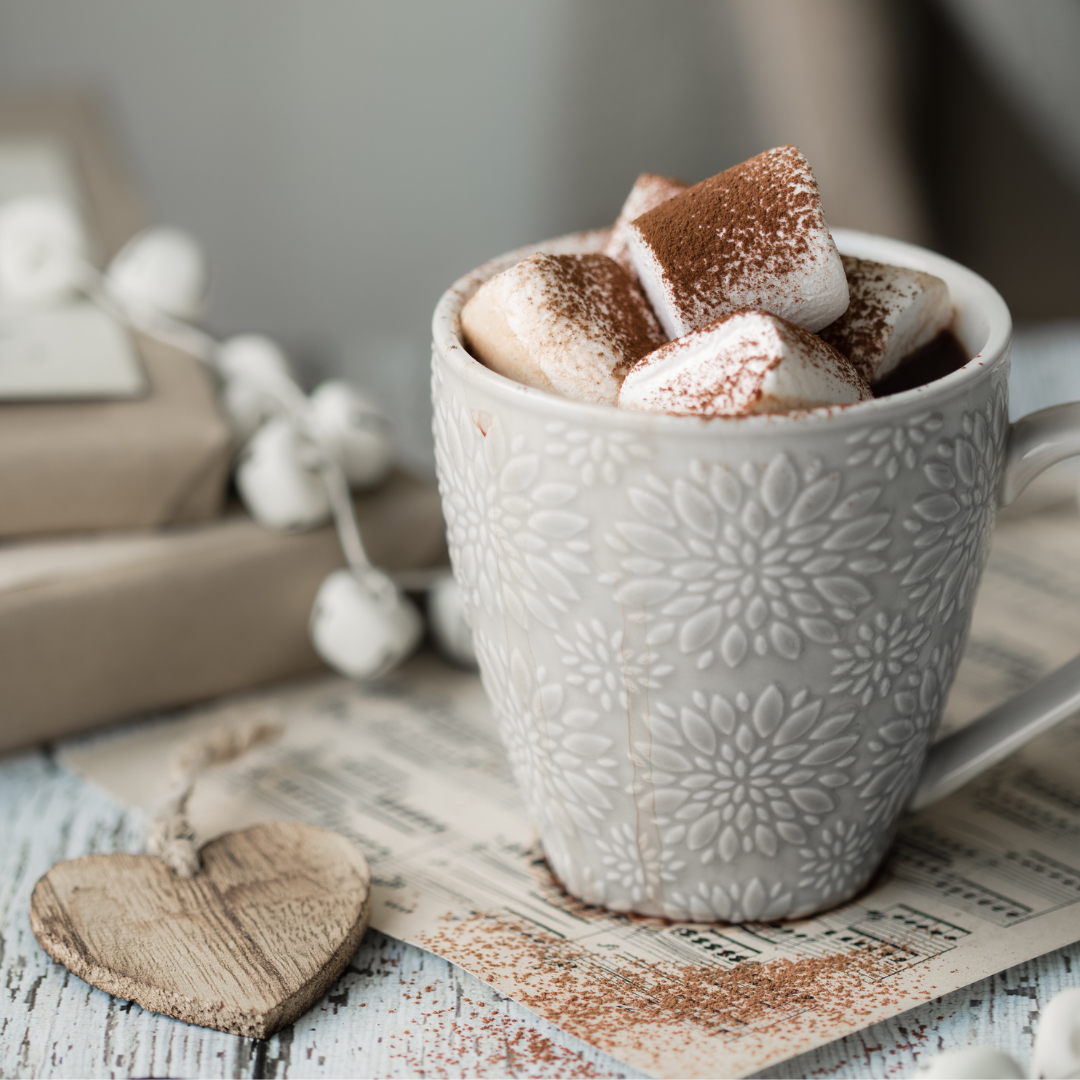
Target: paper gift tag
column 76, row 351
column 245, row 946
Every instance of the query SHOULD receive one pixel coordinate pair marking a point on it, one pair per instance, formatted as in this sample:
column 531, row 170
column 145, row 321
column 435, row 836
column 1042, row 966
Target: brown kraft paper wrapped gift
column 96, row 629
column 91, row 466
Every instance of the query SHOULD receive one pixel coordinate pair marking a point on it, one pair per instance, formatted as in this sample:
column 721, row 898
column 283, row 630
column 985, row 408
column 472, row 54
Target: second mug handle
column 1035, row 443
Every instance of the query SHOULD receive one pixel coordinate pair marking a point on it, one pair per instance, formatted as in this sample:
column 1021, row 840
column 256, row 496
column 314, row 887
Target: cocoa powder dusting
column 734, row 387
column 649, row 190
column 748, row 224
column 861, row 332
column 522, row 1050
column 616, row 1003
column 822, row 354
column 594, row 290
column 731, row 390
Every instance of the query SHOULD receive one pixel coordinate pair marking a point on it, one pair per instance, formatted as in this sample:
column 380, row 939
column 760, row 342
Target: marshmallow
column 751, row 237
column 361, row 625
column 278, row 478
column 1057, row 1040
column 568, row 324
column 749, row 362
column 449, row 627
column 971, row 1063
column 649, row 190
column 354, row 430
column 893, row 311
column 160, row 271
column 42, row 251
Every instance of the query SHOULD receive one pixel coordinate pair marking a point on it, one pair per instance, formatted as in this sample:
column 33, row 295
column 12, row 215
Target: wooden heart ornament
column 245, row 946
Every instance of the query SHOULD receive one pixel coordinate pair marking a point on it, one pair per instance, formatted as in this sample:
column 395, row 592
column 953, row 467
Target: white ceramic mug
column 719, row 649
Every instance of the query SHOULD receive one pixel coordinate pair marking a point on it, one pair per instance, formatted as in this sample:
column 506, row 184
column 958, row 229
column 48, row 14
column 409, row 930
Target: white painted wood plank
column 1001, row 1011
column 396, row 1012
column 399, row 1011
column 53, row 1023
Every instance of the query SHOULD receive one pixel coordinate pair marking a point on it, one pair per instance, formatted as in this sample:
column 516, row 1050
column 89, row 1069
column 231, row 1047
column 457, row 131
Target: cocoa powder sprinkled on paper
column 614, row 1002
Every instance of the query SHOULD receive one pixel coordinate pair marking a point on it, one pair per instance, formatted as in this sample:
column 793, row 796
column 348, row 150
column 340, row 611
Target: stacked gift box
column 129, row 580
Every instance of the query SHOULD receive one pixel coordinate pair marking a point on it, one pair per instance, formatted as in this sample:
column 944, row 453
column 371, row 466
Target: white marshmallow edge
column 568, row 324
column 745, row 363
column 812, row 299
column 773, row 252
column 893, row 311
column 649, row 191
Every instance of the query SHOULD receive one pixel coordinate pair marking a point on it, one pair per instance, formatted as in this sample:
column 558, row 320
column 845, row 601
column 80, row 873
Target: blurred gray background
column 344, row 162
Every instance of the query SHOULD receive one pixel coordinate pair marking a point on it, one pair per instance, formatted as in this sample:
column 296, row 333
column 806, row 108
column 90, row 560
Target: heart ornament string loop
column 243, row 934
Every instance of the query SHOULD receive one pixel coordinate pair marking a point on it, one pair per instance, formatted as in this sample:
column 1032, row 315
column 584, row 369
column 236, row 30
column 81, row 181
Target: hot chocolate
column 937, row 358
column 724, row 299
column 746, row 362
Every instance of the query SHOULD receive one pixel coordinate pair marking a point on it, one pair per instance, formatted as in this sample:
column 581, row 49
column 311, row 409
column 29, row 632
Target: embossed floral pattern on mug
column 951, row 522
column 746, row 776
column 899, row 745
column 718, row 654
column 750, row 558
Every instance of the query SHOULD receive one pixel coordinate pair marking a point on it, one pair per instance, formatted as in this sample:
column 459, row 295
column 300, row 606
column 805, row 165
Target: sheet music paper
column 413, row 771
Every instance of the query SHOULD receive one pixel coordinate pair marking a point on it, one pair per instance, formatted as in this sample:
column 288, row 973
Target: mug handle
column 1035, row 443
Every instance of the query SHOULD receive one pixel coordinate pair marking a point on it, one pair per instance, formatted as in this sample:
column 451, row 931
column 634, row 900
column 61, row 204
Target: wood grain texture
column 396, row 1011
column 245, row 946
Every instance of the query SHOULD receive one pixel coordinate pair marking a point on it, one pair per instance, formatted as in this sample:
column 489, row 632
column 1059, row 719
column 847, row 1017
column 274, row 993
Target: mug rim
column 973, row 298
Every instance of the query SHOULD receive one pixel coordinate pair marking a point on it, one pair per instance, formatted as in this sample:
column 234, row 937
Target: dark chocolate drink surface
column 937, row 358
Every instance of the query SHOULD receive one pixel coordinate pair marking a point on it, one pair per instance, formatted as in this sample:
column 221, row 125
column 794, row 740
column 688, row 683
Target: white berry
column 446, row 617
column 161, row 271
column 42, row 251
column 279, row 480
column 354, row 430
column 257, row 382
column 361, row 625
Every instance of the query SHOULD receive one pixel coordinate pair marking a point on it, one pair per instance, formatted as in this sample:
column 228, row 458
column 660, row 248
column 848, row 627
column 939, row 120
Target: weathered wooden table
column 397, row 1011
